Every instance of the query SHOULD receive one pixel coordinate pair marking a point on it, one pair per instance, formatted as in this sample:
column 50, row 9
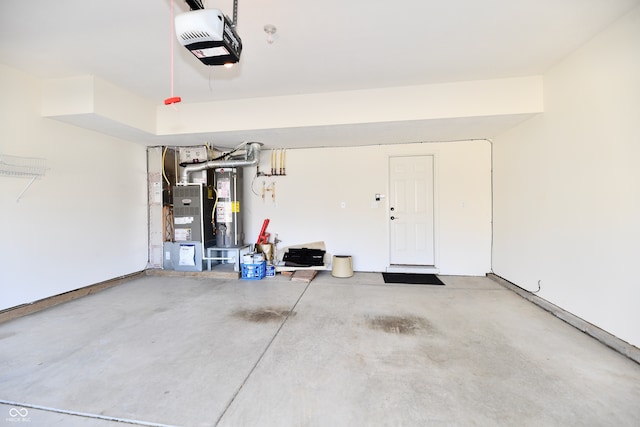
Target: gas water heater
column 228, row 227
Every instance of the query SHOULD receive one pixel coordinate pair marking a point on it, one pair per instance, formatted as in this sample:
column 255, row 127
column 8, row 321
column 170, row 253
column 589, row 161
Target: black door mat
column 412, row 278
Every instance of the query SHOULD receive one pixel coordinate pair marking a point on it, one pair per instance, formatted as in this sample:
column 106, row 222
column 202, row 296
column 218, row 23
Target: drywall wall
column 97, row 99
column 457, row 110
column 329, row 195
column 85, row 220
column 472, row 99
column 567, row 199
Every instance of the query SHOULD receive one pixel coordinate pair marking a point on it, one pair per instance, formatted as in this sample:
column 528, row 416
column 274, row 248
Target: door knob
column 394, row 217
column 393, row 209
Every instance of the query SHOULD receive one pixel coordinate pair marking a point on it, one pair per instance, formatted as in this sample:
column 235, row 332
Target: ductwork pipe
column 251, row 159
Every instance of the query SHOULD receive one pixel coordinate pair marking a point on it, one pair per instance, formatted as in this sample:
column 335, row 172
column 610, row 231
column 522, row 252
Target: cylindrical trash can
column 342, row 266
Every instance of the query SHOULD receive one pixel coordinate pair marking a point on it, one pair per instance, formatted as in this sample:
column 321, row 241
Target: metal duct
column 251, row 159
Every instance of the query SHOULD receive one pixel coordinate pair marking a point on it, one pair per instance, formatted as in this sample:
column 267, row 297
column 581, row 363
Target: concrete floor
column 338, row 352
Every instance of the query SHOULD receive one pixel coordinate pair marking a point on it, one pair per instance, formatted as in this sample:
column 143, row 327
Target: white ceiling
column 320, row 46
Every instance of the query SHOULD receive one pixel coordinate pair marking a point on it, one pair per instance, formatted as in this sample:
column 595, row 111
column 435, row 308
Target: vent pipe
column 252, row 157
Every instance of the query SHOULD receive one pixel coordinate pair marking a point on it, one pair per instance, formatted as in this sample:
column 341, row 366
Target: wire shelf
column 22, row 167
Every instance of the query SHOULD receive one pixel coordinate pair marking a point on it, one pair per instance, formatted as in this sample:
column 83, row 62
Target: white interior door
column 411, row 213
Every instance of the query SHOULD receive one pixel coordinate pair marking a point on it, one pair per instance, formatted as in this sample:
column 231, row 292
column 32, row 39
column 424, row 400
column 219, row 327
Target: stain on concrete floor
column 404, row 325
column 264, row 314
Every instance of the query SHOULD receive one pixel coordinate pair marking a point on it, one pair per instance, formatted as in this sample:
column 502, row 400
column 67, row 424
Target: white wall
column 471, row 99
column 567, row 186
column 308, row 199
column 85, row 221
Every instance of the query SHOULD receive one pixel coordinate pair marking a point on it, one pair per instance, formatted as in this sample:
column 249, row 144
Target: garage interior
column 521, row 120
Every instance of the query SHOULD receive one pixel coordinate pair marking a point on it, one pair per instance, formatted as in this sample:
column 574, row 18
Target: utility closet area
column 199, row 195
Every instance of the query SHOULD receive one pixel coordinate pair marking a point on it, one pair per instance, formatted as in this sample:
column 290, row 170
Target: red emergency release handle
column 172, row 100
